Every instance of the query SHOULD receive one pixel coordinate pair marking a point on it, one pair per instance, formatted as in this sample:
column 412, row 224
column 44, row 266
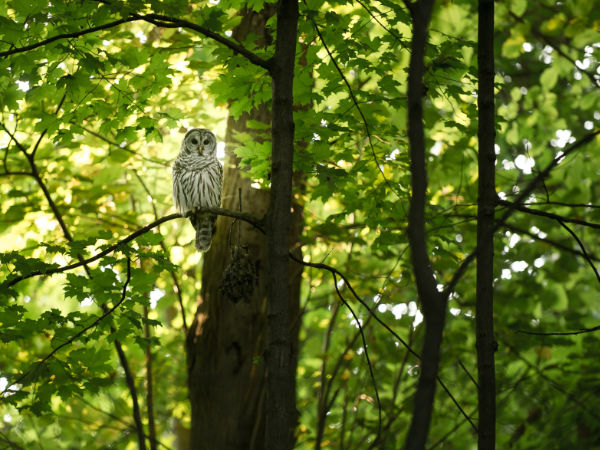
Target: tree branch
column 155, row 19
column 58, row 37
column 333, row 270
column 255, row 222
column 122, row 357
column 560, row 333
column 582, row 247
column 526, row 192
column 137, row 416
column 176, row 286
column 550, row 242
column 172, row 22
column 549, row 215
column 364, row 344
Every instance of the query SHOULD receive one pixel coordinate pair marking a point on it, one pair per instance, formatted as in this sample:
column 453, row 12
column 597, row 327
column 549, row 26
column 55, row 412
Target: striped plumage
column 197, row 181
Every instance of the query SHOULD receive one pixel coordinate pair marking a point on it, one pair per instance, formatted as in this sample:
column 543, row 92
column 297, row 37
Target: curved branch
column 582, row 247
column 549, row 215
column 155, row 19
column 255, row 222
column 335, row 271
column 173, row 22
column 75, row 34
column 547, row 241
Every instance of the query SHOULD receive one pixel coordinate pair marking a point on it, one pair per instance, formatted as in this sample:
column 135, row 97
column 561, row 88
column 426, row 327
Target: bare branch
column 526, row 192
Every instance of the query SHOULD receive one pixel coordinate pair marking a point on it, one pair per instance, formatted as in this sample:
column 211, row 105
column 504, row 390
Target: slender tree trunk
column 432, row 302
column 485, row 228
column 227, row 340
column 281, row 395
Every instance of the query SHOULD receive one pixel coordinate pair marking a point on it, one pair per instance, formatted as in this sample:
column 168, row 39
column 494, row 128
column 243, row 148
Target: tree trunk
column 281, row 367
column 432, row 302
column 227, row 340
column 485, row 229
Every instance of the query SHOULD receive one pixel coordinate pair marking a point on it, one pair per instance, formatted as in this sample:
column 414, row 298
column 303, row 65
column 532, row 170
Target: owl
column 197, row 181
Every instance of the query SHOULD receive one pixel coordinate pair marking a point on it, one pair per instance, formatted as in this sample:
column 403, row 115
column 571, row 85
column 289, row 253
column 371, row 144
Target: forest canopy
column 414, row 221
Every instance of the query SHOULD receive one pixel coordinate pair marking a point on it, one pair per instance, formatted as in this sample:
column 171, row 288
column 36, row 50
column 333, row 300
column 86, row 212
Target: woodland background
column 142, row 344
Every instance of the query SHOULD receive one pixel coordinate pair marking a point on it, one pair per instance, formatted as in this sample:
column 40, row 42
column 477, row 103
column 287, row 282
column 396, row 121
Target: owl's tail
column 204, row 224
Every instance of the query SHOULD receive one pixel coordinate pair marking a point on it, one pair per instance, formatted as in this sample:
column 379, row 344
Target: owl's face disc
column 200, row 141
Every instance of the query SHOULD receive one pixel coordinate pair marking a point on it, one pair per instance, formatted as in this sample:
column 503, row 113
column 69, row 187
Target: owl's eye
column 194, row 141
column 206, row 141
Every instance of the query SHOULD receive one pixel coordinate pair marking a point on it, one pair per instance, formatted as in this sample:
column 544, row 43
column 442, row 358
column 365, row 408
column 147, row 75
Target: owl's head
column 199, row 141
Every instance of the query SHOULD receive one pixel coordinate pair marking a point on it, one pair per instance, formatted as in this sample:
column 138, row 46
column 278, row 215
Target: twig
column 149, row 385
column 364, row 342
column 137, row 416
column 551, row 242
column 389, row 30
column 549, row 215
column 360, row 112
column 582, row 247
column 570, row 205
column 125, row 148
column 176, row 286
column 559, row 333
column 43, row 133
column 383, row 324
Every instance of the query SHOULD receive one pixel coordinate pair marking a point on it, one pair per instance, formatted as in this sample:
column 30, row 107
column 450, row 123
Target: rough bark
column 432, row 302
column 227, row 340
column 485, row 228
column 281, row 395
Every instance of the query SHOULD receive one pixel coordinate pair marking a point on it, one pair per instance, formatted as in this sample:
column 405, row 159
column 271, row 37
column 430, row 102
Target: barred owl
column 197, row 180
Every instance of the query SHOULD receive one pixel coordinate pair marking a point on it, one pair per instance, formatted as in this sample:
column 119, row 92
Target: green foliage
column 103, row 114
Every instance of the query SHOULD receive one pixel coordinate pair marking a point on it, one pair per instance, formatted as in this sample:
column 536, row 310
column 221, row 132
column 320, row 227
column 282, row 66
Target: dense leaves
column 90, row 122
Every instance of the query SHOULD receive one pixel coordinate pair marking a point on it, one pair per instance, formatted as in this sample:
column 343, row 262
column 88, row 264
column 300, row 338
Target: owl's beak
column 200, row 149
